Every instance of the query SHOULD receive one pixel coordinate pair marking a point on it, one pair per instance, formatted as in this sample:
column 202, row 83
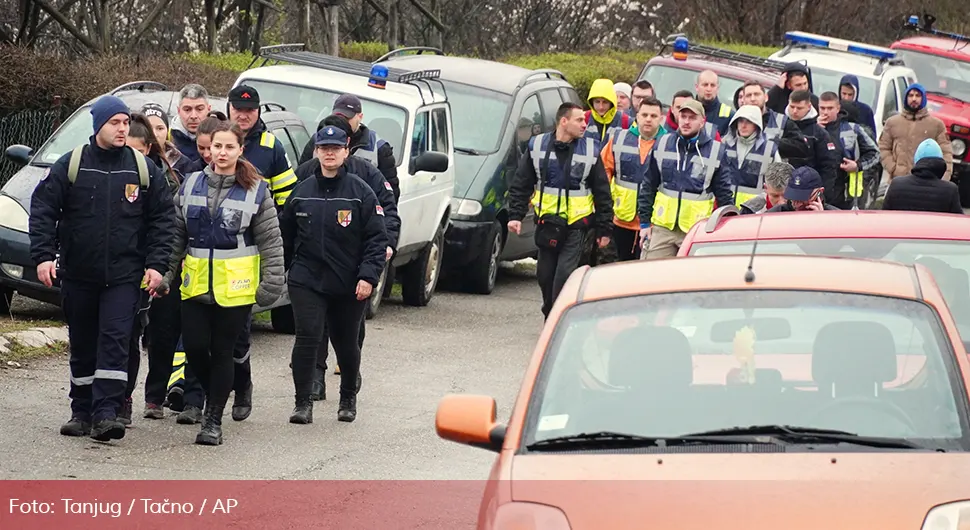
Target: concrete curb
column 32, row 338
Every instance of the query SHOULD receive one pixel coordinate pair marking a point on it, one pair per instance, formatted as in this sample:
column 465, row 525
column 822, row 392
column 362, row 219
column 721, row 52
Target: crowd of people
column 630, row 180
column 183, row 227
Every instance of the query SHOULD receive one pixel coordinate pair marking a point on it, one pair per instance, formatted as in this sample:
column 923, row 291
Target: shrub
column 582, row 70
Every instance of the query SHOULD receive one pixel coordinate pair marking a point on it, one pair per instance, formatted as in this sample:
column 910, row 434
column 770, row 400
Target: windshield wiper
column 791, row 433
column 469, row 151
column 611, row 440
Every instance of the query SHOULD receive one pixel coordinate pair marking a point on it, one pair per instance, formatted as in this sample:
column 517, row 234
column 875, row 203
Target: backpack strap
column 142, row 168
column 75, row 164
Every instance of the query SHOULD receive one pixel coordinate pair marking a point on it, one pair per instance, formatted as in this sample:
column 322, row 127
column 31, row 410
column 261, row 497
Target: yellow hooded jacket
column 601, row 127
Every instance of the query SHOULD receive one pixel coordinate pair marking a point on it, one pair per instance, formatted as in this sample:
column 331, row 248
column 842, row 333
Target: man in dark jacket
column 796, row 77
column 716, row 113
column 805, row 193
column 113, row 231
column 849, row 91
column 777, row 125
column 855, row 151
column 824, row 158
column 924, row 190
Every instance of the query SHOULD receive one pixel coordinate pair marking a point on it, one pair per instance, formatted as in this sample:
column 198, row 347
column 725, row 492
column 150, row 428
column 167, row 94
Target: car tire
column 483, row 272
column 374, row 302
column 282, row 319
column 421, row 276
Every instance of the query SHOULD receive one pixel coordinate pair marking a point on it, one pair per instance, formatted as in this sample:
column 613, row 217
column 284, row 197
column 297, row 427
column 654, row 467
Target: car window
column 314, row 104
column 570, row 94
column 419, row 138
column 890, row 101
column 292, row 154
column 72, row 133
column 529, row 123
column 478, row 116
column 824, row 80
column 948, row 260
column 901, row 86
column 439, row 136
column 667, row 365
column 300, row 139
column 668, row 80
column 550, row 101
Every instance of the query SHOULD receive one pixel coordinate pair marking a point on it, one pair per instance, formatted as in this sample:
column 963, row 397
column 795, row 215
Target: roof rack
column 547, row 72
column 720, row 53
column 719, row 214
column 927, row 27
column 402, row 51
column 139, row 86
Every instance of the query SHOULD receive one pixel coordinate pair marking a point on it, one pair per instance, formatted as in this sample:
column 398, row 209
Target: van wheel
column 282, row 319
column 421, row 276
column 374, row 302
column 482, row 274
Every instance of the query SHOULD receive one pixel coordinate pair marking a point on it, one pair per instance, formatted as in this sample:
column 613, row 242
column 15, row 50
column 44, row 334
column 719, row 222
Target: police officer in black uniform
column 369, row 173
column 335, row 247
column 114, row 226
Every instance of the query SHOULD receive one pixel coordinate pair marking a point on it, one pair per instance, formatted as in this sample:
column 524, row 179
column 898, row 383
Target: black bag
column 551, row 231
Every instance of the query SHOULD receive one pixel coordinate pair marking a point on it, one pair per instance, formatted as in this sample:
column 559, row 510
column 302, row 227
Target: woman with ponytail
column 228, row 241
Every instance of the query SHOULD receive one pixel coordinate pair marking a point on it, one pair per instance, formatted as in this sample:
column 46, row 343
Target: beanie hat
column 928, row 149
column 154, row 109
column 105, row 108
column 623, row 88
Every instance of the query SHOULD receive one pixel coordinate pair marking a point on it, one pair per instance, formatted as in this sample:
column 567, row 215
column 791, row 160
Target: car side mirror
column 431, row 161
column 20, row 154
column 469, row 420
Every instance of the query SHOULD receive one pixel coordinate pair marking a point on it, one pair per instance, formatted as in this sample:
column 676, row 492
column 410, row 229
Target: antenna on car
column 749, row 276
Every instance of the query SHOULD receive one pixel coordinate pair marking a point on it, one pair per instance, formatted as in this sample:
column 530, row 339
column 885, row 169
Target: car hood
column 950, row 110
column 21, row 185
column 891, row 490
column 467, row 168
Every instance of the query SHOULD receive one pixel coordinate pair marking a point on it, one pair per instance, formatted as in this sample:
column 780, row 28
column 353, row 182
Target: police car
column 409, row 110
column 883, row 77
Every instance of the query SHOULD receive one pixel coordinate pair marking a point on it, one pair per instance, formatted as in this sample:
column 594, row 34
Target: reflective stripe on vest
column 678, row 208
column 368, row 151
column 221, row 257
column 850, row 146
column 710, row 130
column 754, row 163
column 724, row 111
column 775, row 125
column 626, row 161
column 549, row 199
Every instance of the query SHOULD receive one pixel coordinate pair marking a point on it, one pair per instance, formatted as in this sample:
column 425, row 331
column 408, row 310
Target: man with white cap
column 624, row 94
column 108, row 210
column 749, row 151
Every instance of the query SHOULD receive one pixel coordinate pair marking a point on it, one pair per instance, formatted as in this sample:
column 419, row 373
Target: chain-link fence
column 29, row 127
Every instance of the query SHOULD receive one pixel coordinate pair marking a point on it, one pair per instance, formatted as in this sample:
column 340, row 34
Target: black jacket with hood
column 386, row 163
column 924, row 190
column 778, row 96
column 824, row 158
column 868, row 157
column 866, row 116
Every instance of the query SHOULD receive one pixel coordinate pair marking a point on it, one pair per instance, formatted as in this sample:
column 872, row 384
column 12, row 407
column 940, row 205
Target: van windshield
column 668, row 80
column 72, row 133
column 478, row 115
column 313, row 104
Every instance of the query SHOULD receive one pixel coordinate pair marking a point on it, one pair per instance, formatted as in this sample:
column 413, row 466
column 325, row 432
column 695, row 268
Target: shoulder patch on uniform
column 387, row 186
column 831, row 146
column 380, row 210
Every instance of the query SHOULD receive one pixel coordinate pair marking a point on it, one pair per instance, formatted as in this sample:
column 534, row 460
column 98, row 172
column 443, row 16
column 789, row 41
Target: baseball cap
column 244, row 97
column 804, row 181
column 347, row 105
column 694, row 106
column 330, row 135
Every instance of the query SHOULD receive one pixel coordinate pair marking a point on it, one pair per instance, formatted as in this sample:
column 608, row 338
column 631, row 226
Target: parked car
column 683, row 393
column 941, row 60
column 407, row 109
column 677, row 64
column 17, row 271
column 496, row 107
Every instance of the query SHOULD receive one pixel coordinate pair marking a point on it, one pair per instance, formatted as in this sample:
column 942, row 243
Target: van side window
column 419, row 138
column 550, row 100
column 439, row 131
column 284, row 138
column 529, row 123
column 570, row 94
column 890, row 101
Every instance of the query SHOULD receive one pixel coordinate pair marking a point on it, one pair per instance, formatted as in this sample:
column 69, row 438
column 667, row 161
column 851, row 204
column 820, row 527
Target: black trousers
column 324, row 350
column 209, row 334
column 134, row 342
column 625, row 241
column 342, row 316
column 164, row 332
column 99, row 321
column 240, row 356
column 553, row 267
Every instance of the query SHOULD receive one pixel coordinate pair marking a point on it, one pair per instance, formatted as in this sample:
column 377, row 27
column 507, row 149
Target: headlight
column 951, row 516
column 13, row 215
column 529, row 516
column 465, row 208
column 959, row 147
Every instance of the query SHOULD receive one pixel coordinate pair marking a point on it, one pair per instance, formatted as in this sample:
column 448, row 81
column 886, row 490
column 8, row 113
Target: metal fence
column 28, row 127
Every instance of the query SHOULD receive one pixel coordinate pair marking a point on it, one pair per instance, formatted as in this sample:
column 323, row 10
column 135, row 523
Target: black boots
column 348, row 409
column 124, row 415
column 211, row 433
column 190, row 416
column 303, row 412
column 108, row 429
column 76, row 426
column 242, row 404
column 319, row 392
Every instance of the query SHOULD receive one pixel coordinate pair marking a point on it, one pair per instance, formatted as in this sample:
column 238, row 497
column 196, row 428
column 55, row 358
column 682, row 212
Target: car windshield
column 668, row 365
column 824, row 80
column 313, row 104
column 479, row 116
column 77, row 130
column 938, row 74
column 668, row 80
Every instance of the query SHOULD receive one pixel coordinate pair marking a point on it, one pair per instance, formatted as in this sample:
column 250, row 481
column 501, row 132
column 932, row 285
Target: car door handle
column 434, row 177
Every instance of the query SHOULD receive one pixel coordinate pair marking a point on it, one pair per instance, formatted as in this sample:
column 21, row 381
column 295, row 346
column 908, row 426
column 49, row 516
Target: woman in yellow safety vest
column 229, row 237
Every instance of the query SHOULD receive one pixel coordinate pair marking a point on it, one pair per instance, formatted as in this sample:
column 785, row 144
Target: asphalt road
column 412, row 357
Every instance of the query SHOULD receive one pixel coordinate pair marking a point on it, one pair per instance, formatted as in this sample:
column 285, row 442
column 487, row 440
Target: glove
column 265, row 298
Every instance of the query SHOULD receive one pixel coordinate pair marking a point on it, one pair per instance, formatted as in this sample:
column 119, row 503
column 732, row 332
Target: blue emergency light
column 821, row 41
column 913, row 20
column 681, row 46
column 378, row 77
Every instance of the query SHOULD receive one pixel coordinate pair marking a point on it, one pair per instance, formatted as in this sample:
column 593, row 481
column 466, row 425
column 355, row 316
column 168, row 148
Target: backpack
column 75, row 165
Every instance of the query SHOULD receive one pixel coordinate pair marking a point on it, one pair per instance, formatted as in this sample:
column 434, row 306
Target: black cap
column 244, row 97
column 347, row 105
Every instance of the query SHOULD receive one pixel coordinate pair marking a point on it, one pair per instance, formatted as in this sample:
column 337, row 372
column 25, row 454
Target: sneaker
column 124, row 416
column 76, row 426
column 190, row 416
column 108, row 429
column 154, row 412
column 348, row 409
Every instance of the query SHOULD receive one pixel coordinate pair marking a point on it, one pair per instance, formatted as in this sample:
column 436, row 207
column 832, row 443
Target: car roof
column 722, row 68
column 168, row 99
column 490, row 75
column 400, row 94
column 837, row 61
column 706, row 273
column 837, row 224
column 950, row 46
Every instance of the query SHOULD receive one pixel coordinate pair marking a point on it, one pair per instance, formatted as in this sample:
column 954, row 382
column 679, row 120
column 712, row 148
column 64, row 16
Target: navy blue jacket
column 866, row 116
